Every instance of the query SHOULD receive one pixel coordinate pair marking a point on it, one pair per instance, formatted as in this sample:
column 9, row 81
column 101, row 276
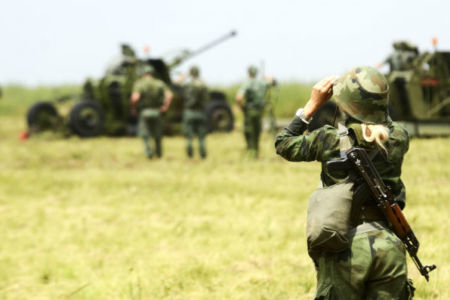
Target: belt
column 370, row 213
column 367, row 227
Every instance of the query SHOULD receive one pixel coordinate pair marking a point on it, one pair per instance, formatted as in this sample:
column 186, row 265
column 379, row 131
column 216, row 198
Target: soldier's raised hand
column 321, row 93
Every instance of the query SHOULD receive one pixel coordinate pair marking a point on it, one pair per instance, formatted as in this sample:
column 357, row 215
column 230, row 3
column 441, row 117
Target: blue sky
column 65, row 41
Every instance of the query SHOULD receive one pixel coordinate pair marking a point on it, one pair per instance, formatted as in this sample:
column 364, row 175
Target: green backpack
column 329, row 209
column 328, row 220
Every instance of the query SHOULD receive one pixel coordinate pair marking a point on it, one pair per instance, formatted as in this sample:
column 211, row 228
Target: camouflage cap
column 194, row 71
column 252, row 70
column 363, row 94
column 147, row 69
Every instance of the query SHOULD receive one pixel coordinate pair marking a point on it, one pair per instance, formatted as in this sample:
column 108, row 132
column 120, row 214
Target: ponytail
column 378, row 133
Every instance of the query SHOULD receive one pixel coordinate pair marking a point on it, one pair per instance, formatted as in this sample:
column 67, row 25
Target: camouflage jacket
column 295, row 143
column 254, row 90
column 152, row 92
column 195, row 94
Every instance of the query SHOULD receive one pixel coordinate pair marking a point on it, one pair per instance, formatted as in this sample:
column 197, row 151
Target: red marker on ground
column 23, row 135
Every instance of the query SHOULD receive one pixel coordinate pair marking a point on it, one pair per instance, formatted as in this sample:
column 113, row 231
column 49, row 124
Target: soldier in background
column 402, row 57
column 253, row 92
column 151, row 97
column 194, row 117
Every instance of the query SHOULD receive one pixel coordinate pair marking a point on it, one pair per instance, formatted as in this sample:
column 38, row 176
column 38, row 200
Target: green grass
column 93, row 219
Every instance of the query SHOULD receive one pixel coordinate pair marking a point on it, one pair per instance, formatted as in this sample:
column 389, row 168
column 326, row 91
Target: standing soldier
column 253, row 91
column 194, row 117
column 152, row 97
column 373, row 265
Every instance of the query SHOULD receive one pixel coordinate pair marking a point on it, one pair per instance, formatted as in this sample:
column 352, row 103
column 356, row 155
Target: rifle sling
column 363, row 208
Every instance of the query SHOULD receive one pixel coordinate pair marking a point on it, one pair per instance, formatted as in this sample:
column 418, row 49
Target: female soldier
column 374, row 265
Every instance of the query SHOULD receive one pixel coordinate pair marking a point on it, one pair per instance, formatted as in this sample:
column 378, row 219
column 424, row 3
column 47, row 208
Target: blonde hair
column 375, row 133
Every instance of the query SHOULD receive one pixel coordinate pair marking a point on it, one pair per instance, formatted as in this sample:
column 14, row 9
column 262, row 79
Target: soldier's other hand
column 239, row 100
column 240, row 105
column 271, row 80
column 321, row 93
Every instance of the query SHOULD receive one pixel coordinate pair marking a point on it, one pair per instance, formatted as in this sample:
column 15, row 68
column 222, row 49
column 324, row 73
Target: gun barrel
column 188, row 54
column 424, row 270
column 214, row 43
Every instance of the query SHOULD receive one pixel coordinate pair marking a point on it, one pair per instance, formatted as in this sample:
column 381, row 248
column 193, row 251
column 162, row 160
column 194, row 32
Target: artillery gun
column 419, row 96
column 103, row 106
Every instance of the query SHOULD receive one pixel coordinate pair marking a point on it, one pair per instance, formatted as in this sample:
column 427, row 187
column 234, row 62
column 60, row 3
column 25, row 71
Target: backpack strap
column 345, row 143
column 361, row 192
column 344, row 140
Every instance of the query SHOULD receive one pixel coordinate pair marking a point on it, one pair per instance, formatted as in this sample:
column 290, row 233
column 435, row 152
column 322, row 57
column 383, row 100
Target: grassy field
column 94, row 219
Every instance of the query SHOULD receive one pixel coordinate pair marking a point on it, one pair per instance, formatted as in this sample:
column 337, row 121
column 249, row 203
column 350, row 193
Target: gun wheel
column 220, row 117
column 42, row 116
column 86, row 119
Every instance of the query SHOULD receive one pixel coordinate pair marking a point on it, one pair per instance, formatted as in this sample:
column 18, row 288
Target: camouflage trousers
column 252, row 129
column 150, row 126
column 194, row 124
column 374, row 268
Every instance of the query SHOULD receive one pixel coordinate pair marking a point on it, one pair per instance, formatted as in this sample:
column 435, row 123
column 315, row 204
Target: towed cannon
column 103, row 106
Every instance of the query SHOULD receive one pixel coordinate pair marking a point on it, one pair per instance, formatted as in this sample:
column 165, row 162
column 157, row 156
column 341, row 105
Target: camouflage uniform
column 374, row 267
column 194, row 116
column 150, row 121
column 253, row 91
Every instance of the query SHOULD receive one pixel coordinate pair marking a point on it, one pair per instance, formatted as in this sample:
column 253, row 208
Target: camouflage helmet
column 252, row 71
column 147, row 69
column 363, row 94
column 194, row 71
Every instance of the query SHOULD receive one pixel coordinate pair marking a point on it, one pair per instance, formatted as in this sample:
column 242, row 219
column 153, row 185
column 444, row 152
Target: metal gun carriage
column 103, row 106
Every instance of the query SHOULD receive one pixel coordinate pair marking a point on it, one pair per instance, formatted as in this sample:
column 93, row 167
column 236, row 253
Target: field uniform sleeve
column 243, row 89
column 295, row 144
column 397, row 146
column 164, row 86
column 137, row 87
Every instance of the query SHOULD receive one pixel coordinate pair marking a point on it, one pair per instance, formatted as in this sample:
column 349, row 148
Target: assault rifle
column 358, row 159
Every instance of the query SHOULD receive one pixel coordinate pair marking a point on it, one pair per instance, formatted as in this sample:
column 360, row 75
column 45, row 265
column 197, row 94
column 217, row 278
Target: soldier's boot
column 189, row 148
column 202, row 148
column 253, row 147
column 256, row 147
column 248, row 139
column 190, row 151
column 158, row 148
column 148, row 149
